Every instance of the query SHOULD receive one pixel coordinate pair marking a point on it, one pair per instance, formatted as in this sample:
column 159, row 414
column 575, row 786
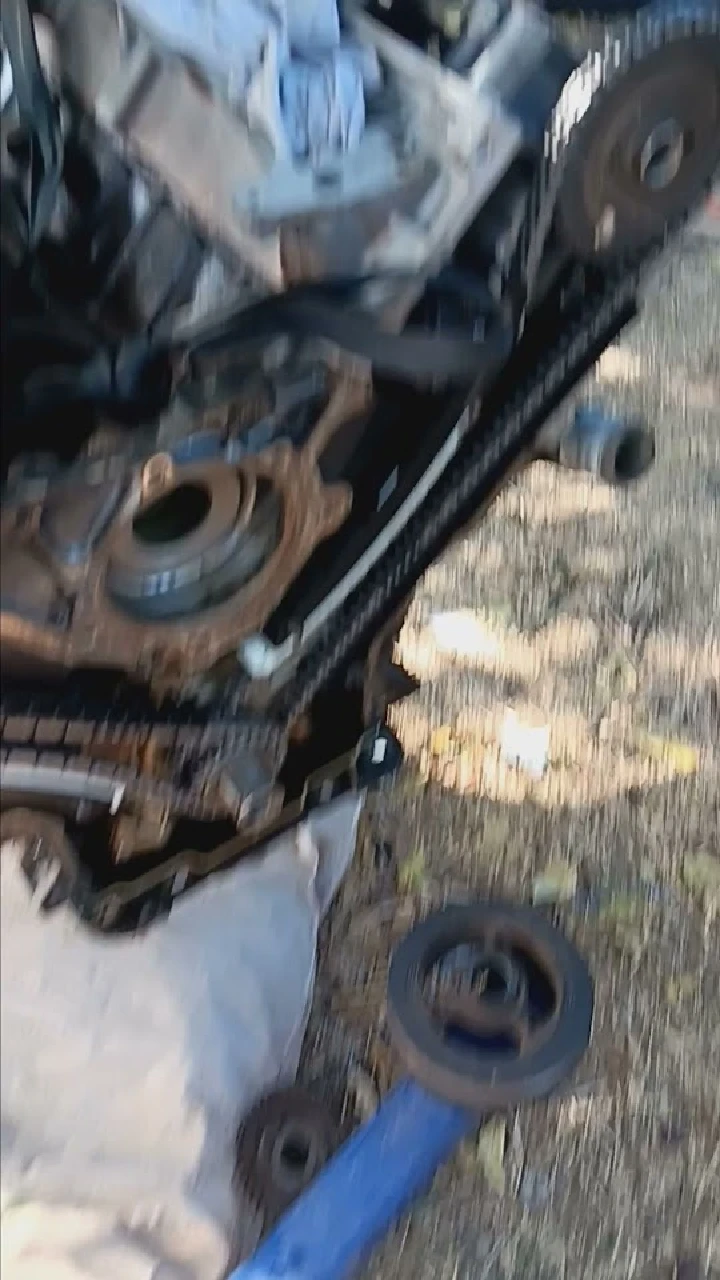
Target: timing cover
column 163, row 568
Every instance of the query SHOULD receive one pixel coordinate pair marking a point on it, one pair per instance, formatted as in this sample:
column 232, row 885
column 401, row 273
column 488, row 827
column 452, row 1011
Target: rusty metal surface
column 376, row 693
column 80, row 588
column 489, row 1005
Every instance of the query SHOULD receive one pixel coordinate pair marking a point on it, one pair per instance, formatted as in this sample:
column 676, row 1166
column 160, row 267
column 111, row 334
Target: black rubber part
column 681, row 81
column 468, row 1077
column 39, row 123
column 594, row 10
column 290, row 1118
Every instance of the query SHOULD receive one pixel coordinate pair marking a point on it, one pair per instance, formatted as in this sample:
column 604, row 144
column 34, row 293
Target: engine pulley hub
column 489, row 1005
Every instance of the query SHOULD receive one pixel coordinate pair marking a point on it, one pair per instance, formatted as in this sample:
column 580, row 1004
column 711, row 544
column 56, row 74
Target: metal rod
column 366, row 1187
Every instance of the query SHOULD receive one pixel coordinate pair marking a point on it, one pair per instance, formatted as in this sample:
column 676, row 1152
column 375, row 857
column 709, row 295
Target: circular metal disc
column 282, row 1146
column 180, row 534
column 646, row 150
column 505, row 1051
column 194, row 544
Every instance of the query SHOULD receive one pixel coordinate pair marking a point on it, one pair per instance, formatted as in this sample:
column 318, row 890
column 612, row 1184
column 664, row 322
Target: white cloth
column 127, row 1064
column 281, row 51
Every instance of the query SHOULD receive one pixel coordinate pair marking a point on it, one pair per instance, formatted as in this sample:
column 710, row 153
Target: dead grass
column 597, row 614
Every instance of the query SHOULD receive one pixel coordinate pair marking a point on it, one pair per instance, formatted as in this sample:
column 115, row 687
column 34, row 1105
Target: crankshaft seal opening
column 173, row 515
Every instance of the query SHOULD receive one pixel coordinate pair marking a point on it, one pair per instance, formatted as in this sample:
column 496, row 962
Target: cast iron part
column 512, row 1029
column 282, row 1146
column 649, row 144
column 615, row 449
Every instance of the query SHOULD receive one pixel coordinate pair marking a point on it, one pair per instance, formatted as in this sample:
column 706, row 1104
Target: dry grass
column 597, row 614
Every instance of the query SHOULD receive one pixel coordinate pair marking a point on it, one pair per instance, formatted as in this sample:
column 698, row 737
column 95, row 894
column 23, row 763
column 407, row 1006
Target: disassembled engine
column 213, row 520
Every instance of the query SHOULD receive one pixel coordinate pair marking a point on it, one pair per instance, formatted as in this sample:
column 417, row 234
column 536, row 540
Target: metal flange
column 489, row 1005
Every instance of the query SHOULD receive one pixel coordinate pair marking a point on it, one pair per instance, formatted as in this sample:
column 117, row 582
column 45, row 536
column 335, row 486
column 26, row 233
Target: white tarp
column 127, row 1064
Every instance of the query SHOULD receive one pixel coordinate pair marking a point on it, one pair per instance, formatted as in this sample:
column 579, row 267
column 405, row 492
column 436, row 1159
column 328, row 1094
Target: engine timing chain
column 74, row 743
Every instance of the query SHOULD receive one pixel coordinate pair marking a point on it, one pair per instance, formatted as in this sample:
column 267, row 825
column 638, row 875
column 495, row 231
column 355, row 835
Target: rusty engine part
column 211, row 527
column 163, row 569
column 489, row 1005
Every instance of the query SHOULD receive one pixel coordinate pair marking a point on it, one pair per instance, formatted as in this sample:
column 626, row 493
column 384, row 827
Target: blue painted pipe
column 368, row 1185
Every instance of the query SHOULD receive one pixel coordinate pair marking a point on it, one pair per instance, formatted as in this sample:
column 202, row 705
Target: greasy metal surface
column 120, row 574
column 334, row 242
column 613, row 202
column 427, row 170
column 585, row 97
column 135, row 757
column 281, row 1147
column 150, row 894
column 510, row 1045
column 142, row 571
column 487, row 456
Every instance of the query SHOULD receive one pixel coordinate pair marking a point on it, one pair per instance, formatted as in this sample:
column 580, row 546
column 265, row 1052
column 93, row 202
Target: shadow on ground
column 616, row 1177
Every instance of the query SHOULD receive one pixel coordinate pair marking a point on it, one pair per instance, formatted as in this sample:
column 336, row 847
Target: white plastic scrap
column 525, row 746
column 127, row 1063
column 464, row 634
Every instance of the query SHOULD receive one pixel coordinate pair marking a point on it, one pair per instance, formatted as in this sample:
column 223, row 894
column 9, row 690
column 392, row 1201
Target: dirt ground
column 597, row 614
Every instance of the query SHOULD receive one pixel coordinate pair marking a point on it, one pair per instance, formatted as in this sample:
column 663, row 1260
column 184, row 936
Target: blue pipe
column 373, row 1179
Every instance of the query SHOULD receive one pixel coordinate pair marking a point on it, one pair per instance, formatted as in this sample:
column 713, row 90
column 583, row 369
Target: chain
column 153, row 892
column 469, row 480
column 67, row 736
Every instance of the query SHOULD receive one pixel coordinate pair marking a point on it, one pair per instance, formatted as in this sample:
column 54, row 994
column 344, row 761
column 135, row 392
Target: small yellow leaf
column 623, row 909
column 557, row 883
column 496, row 833
column 490, row 1153
column 681, row 987
column 701, row 873
column 626, row 918
column 648, row 872
column 680, row 756
column 441, row 741
column 411, row 874
column 617, row 676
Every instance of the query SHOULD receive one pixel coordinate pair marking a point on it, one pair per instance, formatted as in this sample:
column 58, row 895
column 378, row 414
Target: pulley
column 282, row 1146
column 489, row 1005
column 639, row 161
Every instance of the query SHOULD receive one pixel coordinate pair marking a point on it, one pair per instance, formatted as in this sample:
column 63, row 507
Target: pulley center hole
column 490, row 999
column 484, row 974
column 634, row 455
column 172, row 516
column 295, row 1157
column 662, row 155
column 295, row 1153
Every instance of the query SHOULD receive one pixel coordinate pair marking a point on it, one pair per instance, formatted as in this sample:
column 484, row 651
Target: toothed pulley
column 644, row 151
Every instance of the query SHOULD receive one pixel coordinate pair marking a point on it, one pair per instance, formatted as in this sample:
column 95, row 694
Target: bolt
column 157, row 474
column 605, row 228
